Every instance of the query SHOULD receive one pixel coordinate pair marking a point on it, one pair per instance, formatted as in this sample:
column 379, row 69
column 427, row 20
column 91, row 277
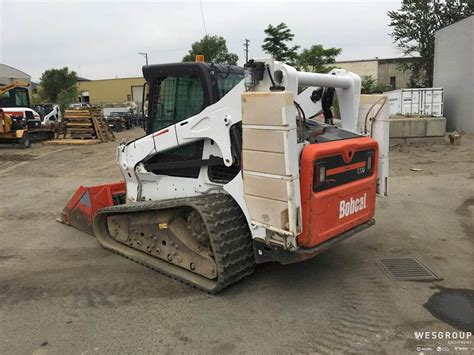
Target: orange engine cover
column 338, row 187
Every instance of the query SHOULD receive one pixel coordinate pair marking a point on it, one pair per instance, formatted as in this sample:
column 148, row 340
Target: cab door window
column 21, row 97
column 176, row 98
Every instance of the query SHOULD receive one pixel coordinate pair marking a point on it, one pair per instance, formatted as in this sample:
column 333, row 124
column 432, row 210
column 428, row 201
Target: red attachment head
column 86, row 201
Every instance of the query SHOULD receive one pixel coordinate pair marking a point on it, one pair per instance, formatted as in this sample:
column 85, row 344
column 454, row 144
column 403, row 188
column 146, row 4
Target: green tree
column 214, row 49
column 56, row 81
column 318, row 59
column 414, row 26
column 370, row 86
column 66, row 96
column 277, row 43
column 367, row 84
column 35, row 99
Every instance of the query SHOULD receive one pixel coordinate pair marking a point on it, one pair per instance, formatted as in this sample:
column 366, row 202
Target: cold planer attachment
column 86, row 201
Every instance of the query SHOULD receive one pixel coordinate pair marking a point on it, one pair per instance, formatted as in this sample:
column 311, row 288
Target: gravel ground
column 61, row 293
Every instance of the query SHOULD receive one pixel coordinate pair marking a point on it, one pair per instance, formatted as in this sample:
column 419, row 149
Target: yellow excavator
column 13, row 130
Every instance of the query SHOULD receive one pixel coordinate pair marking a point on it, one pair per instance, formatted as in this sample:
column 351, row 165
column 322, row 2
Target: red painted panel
column 330, row 212
column 86, row 201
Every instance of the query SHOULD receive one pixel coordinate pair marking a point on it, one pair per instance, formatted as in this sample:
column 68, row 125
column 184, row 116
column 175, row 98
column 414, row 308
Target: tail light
column 319, row 175
column 332, row 171
column 370, row 159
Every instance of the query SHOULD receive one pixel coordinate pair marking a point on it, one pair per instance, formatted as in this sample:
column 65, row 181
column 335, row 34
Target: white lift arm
column 356, row 115
column 347, row 87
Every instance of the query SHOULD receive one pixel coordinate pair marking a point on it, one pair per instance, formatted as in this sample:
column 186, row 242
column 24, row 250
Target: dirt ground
column 61, row 293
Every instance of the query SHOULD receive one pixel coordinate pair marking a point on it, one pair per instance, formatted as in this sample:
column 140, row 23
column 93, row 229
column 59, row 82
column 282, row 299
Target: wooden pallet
column 79, row 124
column 102, row 129
column 72, row 142
column 87, row 124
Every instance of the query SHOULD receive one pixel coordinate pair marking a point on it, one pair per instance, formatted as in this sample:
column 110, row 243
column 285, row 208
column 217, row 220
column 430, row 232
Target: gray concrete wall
column 361, row 68
column 453, row 70
column 391, row 67
column 411, row 127
column 380, row 69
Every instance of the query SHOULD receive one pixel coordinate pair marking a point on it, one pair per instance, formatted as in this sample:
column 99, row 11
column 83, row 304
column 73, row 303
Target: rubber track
column 227, row 229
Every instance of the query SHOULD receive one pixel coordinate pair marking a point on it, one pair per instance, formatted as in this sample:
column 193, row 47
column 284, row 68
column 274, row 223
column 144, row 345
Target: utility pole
column 246, row 45
column 145, row 55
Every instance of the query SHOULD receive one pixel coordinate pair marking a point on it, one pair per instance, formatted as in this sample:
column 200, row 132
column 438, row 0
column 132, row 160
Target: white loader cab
column 49, row 113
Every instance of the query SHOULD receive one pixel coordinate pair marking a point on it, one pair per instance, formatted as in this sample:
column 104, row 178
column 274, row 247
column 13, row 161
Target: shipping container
column 416, row 102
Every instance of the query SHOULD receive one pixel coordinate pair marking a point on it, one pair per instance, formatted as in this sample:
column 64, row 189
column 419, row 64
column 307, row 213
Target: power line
column 206, row 38
column 202, row 16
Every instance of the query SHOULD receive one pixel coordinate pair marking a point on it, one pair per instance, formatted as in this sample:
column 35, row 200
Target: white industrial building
column 9, row 74
column 453, row 70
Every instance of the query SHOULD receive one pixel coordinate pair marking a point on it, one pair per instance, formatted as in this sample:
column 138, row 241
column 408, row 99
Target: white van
column 22, row 113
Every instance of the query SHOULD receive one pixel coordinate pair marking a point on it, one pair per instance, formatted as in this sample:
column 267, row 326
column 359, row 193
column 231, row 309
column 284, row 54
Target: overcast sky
column 101, row 39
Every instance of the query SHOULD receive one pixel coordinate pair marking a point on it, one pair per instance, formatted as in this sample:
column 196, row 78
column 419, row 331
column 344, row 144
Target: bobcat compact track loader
column 233, row 171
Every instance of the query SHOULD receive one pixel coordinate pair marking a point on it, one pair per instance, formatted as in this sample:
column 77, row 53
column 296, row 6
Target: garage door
column 137, row 93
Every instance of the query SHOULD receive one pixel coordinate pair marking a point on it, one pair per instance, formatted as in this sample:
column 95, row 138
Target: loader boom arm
column 6, row 88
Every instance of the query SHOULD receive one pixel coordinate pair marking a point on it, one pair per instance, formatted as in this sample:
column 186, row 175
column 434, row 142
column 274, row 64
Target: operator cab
column 181, row 90
column 16, row 97
column 177, row 92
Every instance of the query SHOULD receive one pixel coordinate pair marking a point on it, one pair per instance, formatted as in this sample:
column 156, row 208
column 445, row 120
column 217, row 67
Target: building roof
column 377, row 59
column 12, row 72
column 463, row 19
column 80, row 78
column 127, row 78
